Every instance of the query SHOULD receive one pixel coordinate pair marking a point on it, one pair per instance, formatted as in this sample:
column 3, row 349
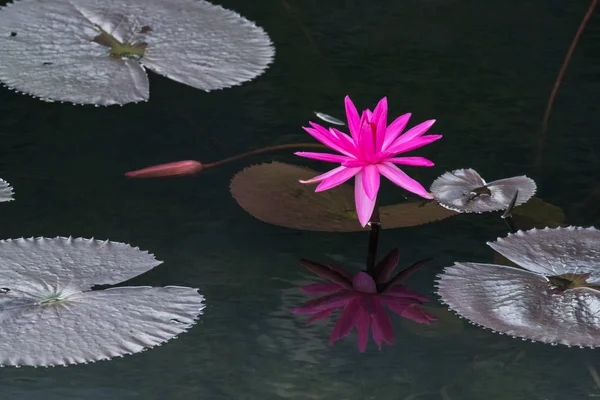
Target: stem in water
column 375, row 225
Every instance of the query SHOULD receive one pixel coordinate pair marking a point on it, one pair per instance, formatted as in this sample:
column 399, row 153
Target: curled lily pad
column 95, row 51
column 554, row 297
column 464, row 190
column 50, row 316
column 6, row 191
column 271, row 193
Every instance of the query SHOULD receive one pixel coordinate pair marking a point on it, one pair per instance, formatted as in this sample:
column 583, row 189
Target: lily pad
column 6, row 191
column 96, row 51
column 553, row 297
column 271, row 193
column 464, row 190
column 51, row 316
column 537, row 213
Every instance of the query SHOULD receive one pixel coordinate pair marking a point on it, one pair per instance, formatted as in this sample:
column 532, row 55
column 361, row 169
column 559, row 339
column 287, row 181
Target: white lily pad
column 553, row 299
column 95, row 51
column 464, row 190
column 548, row 252
column 6, row 191
column 49, row 316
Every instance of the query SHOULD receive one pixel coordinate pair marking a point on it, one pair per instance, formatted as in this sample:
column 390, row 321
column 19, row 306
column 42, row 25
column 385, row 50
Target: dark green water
column 483, row 69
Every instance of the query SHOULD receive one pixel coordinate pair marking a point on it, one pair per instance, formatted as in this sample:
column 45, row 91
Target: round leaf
column 271, row 193
column 48, row 315
column 91, row 326
column 520, row 303
column 94, row 51
column 554, row 251
column 76, row 263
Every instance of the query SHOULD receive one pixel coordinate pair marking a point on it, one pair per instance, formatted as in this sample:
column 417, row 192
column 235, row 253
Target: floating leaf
column 536, row 213
column 554, row 298
column 95, row 51
column 463, row 190
column 271, row 193
column 6, row 191
column 551, row 252
column 49, row 316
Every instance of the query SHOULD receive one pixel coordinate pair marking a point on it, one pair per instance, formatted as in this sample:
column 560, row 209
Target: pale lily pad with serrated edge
column 553, row 298
column 6, row 191
column 464, row 190
column 95, row 51
column 49, row 315
column 271, row 193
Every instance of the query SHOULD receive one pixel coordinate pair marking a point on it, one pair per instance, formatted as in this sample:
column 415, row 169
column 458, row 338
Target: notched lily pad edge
column 270, row 57
column 191, row 325
column 439, row 282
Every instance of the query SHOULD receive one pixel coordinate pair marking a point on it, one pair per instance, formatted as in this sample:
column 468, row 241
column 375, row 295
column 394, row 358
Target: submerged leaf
column 552, row 298
column 464, row 190
column 271, row 193
column 95, row 51
column 447, row 323
column 6, row 191
column 49, row 316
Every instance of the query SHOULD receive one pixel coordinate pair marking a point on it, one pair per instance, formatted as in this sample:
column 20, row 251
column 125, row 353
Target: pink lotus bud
column 179, row 168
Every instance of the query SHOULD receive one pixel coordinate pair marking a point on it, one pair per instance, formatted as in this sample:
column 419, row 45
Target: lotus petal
column 464, row 190
column 6, row 191
column 65, row 49
column 554, row 251
column 521, row 303
column 48, row 317
column 271, row 193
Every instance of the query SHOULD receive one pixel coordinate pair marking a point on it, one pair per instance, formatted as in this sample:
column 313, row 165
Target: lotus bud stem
column 191, row 167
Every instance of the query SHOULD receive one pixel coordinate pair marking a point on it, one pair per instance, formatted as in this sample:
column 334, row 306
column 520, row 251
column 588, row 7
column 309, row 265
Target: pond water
column 483, row 69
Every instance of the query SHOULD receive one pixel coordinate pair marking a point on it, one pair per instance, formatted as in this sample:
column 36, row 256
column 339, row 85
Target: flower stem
column 263, row 150
column 375, row 225
column 559, row 78
column 192, row 167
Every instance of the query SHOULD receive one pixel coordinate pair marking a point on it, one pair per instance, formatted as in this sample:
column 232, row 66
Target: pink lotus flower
column 370, row 151
column 363, row 298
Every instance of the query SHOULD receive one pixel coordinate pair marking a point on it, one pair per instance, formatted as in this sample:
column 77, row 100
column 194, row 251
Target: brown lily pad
column 271, row 193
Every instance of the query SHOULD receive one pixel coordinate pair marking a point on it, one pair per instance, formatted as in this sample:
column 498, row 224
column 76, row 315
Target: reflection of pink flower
column 363, row 298
column 370, row 151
